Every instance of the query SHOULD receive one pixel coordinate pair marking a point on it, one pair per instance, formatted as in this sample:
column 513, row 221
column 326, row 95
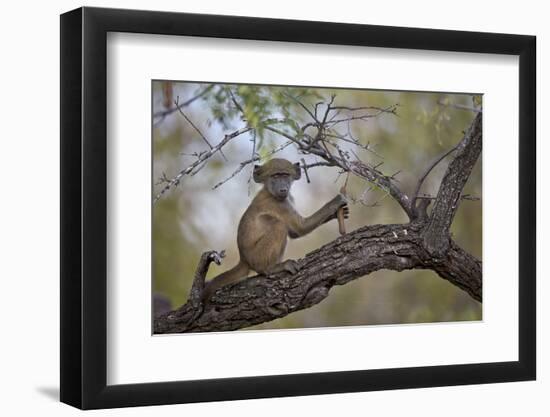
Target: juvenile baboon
column 269, row 220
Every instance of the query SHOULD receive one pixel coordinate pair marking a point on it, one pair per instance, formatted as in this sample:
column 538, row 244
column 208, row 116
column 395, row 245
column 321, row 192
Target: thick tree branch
column 437, row 238
column 261, row 299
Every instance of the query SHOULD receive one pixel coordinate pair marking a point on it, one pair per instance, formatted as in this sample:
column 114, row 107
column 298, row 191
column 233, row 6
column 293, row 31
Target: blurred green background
column 194, row 217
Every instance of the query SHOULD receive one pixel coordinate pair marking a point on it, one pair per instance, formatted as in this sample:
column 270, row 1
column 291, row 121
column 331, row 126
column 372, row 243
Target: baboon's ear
column 257, row 174
column 298, row 170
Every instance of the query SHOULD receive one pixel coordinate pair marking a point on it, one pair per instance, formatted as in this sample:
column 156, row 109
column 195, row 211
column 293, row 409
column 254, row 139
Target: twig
column 303, row 106
column 459, row 106
column 195, row 127
column 429, row 169
column 203, row 157
column 466, row 197
column 355, row 142
column 162, row 114
column 235, row 102
column 163, row 179
column 305, row 167
column 255, row 158
column 390, row 109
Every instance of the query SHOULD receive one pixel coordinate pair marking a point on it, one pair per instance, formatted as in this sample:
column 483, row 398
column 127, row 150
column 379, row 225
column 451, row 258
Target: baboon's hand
column 345, row 208
column 338, row 202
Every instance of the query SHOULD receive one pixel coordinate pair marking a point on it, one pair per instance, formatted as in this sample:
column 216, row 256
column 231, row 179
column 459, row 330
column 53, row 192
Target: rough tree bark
column 423, row 243
column 436, row 238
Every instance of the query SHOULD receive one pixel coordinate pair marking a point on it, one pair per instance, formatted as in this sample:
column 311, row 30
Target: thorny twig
column 174, row 182
column 255, row 158
column 161, row 115
column 195, row 127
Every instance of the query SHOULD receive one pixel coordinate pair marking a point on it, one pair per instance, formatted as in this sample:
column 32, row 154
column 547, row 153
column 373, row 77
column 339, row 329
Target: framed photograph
column 257, row 208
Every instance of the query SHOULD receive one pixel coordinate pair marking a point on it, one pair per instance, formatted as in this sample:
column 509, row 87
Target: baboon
column 269, row 220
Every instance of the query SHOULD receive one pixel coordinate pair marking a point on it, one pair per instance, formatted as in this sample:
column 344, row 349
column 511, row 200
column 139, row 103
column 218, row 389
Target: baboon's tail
column 235, row 274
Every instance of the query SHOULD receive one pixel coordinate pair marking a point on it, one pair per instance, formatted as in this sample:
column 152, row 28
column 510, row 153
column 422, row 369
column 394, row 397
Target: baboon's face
column 277, row 176
column 279, row 185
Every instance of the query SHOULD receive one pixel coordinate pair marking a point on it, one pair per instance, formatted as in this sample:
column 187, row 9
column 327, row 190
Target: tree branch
column 437, row 238
column 161, row 115
column 385, row 182
column 174, row 182
column 425, row 175
column 261, row 299
column 194, row 126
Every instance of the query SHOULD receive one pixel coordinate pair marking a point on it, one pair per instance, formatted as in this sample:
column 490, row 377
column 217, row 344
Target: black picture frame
column 84, row 207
